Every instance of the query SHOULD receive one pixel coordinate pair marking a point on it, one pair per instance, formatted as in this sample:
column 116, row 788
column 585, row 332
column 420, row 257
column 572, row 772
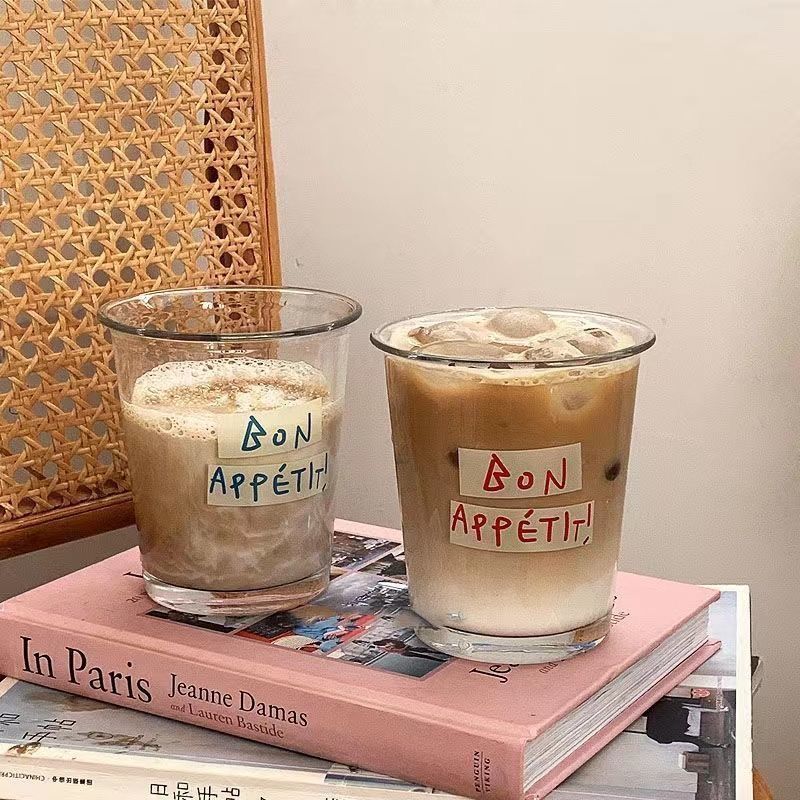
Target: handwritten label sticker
column 519, row 473
column 267, row 484
column 521, row 530
column 261, row 433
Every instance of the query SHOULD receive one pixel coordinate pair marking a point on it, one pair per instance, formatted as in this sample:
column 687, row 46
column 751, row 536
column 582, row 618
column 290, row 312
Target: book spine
column 322, row 721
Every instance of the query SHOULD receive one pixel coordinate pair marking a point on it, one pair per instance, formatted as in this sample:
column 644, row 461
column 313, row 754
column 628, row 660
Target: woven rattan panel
column 133, row 156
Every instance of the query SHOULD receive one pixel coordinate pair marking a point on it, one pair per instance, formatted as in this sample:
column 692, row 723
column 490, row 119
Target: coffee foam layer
column 511, row 334
column 183, row 398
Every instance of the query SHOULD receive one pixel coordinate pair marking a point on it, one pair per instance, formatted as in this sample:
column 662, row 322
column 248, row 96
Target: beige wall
column 635, row 156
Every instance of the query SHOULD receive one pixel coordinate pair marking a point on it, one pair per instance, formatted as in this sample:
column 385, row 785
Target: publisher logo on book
column 481, row 772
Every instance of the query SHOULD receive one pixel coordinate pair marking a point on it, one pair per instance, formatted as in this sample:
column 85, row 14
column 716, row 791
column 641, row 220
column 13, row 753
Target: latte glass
column 231, row 406
column 511, row 432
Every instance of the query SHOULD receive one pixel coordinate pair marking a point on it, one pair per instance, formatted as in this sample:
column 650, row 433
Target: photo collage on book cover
column 364, row 617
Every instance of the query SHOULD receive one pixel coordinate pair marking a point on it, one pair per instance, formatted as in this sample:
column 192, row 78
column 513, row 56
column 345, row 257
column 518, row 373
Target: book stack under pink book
column 290, row 681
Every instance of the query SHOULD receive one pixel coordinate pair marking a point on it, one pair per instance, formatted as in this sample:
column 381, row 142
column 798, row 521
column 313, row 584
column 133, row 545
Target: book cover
column 319, row 680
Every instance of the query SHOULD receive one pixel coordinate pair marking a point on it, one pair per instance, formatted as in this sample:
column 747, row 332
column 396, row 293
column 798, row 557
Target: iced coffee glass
column 231, row 406
column 511, row 431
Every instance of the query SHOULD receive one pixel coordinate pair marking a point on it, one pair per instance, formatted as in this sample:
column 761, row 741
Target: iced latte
column 231, row 406
column 511, row 431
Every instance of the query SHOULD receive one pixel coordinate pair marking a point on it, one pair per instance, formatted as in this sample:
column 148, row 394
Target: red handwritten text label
column 521, row 530
column 519, row 473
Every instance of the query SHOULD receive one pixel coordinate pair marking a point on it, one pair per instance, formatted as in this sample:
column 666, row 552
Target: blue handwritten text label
column 267, row 484
column 260, row 433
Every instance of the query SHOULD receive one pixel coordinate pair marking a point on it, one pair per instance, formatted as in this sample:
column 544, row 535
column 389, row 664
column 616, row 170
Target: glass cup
column 231, row 407
column 511, row 431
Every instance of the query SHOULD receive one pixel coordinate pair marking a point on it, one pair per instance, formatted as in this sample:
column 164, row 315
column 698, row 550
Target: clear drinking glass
column 231, row 406
column 511, row 431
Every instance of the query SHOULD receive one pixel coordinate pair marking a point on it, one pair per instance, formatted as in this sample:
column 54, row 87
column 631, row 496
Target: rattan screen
column 133, row 155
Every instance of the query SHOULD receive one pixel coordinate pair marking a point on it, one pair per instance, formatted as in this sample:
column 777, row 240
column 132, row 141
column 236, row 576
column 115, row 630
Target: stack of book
column 660, row 710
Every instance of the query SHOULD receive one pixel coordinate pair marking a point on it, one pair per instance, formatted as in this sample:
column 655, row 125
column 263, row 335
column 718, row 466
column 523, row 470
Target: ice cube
column 594, row 342
column 444, row 331
column 572, row 396
column 521, row 323
column 511, row 348
column 575, row 399
column 553, row 350
column 465, row 349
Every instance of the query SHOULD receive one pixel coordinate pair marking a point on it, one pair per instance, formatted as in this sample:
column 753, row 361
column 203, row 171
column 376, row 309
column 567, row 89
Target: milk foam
column 183, row 398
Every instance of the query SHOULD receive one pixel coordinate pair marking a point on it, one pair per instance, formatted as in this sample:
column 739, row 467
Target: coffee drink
column 511, row 431
column 231, row 406
column 201, row 509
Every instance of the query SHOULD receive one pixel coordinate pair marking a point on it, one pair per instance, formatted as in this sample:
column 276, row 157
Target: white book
column 694, row 744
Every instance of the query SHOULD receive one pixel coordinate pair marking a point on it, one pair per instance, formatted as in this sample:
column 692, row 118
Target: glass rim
column 648, row 340
column 107, row 309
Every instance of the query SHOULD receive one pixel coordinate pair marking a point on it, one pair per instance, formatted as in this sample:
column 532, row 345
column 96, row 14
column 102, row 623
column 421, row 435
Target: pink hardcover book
column 320, row 679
